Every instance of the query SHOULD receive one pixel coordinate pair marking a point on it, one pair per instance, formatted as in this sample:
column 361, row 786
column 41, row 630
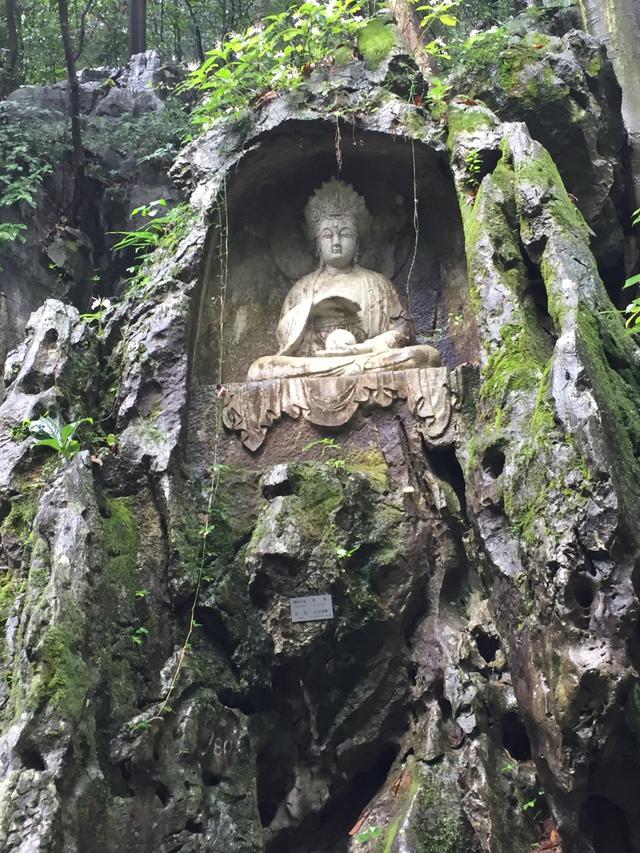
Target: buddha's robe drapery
column 375, row 306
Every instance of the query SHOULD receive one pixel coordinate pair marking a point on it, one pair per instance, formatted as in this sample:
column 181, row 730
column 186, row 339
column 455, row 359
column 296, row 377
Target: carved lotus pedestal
column 432, row 394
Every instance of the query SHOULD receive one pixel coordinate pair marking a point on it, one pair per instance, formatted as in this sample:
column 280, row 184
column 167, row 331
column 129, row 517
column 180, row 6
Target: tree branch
column 81, row 29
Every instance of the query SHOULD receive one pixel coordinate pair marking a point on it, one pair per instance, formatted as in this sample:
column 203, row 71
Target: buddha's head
column 337, row 218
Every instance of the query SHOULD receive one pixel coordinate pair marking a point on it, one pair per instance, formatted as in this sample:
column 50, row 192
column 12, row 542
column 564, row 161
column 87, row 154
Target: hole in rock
column 215, row 629
column 583, row 590
column 149, row 398
column 5, row 508
column 445, row 708
column 32, row 759
column 403, row 81
column 327, row 832
column 457, row 579
column 537, row 290
column 35, row 382
column 445, row 465
column 590, row 567
column 552, row 568
column 279, row 489
column 493, row 461
column 163, row 793
column 515, row 738
column 343, row 811
column 194, row 826
column 580, row 98
column 274, row 774
column 487, row 644
column 230, row 699
column 259, row 590
column 120, row 782
column 591, row 696
column 50, row 336
column 210, row 780
column 282, row 564
column 487, row 160
column 606, row 825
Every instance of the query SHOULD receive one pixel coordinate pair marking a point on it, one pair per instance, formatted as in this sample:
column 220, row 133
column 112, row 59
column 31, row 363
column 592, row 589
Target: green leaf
column 67, row 432
column 49, row 442
column 10, row 231
column 70, row 449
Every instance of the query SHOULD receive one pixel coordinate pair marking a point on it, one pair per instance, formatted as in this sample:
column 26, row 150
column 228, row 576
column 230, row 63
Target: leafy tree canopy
column 180, row 30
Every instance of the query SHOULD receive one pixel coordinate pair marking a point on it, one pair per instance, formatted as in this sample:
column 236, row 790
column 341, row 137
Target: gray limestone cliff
column 478, row 686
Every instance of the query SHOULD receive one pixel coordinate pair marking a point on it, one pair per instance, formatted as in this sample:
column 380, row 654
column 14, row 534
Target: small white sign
column 311, row 608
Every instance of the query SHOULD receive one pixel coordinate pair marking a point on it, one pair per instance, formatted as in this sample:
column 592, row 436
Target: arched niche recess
column 259, row 249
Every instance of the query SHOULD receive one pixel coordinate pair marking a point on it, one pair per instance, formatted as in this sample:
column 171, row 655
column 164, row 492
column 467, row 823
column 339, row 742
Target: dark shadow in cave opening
column 606, row 826
column 444, row 464
column 487, row 644
column 515, row 738
column 328, row 831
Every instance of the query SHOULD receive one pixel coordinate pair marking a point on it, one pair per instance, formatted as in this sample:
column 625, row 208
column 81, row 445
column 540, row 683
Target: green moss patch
column 536, row 484
column 372, row 464
column 121, row 541
column 10, row 588
column 542, row 172
column 464, row 119
column 376, row 40
column 618, row 396
column 64, row 678
column 436, row 825
column 320, row 493
column 500, row 57
column 19, row 521
column 517, row 365
column 206, row 534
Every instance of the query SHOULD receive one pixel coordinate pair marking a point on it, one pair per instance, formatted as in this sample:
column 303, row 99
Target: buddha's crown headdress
column 336, row 200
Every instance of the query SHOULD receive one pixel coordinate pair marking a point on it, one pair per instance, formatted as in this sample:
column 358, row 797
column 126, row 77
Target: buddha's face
column 337, row 243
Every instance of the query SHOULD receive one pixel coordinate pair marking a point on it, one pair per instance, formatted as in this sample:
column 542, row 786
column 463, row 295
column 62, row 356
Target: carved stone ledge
column 432, row 394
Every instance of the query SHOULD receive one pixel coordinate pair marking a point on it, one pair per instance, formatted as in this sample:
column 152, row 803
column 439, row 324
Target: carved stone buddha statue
column 341, row 319
column 343, row 342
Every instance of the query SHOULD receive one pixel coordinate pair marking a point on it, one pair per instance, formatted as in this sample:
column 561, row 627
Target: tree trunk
column 137, row 26
column 74, row 110
column 409, row 29
column 197, row 30
column 10, row 78
column 617, row 23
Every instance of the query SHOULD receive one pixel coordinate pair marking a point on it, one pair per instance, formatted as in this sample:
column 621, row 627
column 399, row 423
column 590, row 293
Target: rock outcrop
column 131, row 130
column 477, row 686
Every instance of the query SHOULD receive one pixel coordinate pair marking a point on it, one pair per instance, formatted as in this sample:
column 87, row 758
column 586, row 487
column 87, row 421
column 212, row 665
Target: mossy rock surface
column 376, row 40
